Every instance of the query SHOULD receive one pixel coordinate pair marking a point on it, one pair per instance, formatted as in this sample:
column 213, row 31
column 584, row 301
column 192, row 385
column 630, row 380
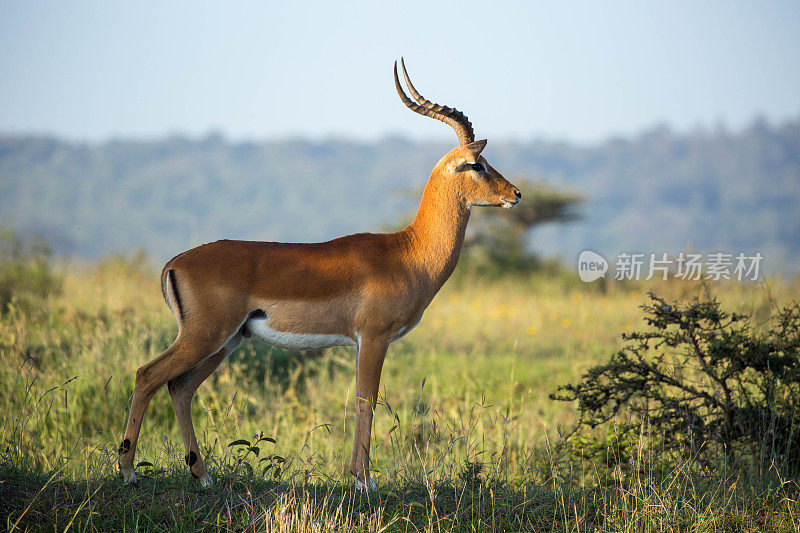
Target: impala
column 365, row 290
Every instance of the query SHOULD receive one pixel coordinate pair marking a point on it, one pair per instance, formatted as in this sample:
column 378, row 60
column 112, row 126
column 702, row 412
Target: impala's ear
column 476, row 147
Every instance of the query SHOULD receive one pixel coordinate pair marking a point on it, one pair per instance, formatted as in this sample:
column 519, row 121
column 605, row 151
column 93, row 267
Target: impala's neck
column 438, row 231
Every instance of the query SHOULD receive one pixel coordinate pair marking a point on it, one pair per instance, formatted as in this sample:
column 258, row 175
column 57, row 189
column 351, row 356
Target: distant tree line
column 657, row 191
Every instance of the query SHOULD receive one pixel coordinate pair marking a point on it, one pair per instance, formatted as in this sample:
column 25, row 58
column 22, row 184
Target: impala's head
column 464, row 167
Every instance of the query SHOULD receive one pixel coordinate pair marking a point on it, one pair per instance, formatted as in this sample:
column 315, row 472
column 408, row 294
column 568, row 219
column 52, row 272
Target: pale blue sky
column 580, row 71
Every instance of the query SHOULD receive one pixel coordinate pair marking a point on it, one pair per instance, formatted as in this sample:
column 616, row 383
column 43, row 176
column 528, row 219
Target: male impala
column 364, row 290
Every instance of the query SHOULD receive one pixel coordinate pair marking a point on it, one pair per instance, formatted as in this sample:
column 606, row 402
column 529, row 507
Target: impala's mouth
column 508, row 204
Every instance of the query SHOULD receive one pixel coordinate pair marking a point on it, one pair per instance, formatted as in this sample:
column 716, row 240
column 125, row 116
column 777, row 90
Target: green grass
column 465, row 437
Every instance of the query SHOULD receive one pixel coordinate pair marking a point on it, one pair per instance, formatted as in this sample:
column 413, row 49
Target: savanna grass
column 465, row 437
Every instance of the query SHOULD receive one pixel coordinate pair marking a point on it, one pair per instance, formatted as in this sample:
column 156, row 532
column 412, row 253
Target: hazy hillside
column 658, row 191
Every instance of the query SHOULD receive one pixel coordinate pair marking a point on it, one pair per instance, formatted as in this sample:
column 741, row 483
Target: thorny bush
column 703, row 380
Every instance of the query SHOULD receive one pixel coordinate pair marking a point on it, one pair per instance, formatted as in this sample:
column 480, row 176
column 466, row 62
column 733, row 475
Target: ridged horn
column 455, row 118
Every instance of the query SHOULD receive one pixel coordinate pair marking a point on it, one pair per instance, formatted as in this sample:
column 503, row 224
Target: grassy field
column 465, row 437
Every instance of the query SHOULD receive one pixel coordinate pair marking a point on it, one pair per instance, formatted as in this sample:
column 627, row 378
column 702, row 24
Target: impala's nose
column 517, row 194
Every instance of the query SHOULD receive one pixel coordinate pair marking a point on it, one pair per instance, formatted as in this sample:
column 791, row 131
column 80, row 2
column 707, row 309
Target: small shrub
column 26, row 275
column 470, row 474
column 702, row 379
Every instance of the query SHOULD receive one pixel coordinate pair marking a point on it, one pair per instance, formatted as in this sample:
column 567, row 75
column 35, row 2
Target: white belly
column 295, row 341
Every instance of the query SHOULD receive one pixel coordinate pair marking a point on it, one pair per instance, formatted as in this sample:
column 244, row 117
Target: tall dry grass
column 465, row 436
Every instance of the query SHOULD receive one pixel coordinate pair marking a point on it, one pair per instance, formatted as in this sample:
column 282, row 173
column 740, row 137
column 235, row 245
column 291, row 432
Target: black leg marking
column 191, row 458
column 125, row 447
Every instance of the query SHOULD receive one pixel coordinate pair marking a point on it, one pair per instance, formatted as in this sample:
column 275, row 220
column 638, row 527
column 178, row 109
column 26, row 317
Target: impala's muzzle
column 508, row 203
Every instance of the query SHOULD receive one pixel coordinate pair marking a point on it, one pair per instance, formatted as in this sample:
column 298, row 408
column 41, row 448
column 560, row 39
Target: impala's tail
column 169, row 289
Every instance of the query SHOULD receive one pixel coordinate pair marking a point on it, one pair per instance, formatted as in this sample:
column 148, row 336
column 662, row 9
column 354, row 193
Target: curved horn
column 455, row 118
column 421, row 100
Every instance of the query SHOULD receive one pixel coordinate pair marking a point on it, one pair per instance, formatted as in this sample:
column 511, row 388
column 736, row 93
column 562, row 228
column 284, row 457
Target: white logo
column 591, row 266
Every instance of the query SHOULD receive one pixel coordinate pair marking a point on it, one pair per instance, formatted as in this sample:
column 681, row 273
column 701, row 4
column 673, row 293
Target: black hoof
column 191, row 458
column 125, row 447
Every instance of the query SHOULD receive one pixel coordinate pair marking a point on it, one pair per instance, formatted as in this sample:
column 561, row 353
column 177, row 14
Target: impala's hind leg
column 184, row 354
column 182, row 390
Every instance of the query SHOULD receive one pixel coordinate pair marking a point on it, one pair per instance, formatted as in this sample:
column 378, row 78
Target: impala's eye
column 478, row 167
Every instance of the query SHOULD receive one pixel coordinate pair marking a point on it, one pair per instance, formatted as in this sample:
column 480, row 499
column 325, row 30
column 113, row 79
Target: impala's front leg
column 371, row 353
